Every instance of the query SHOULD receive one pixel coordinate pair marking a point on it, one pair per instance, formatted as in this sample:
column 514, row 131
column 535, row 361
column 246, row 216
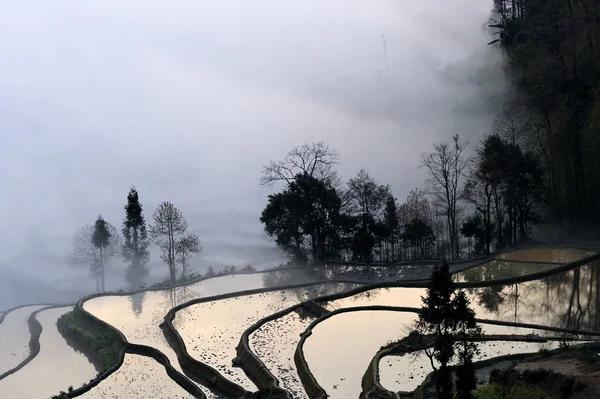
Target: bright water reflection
column 499, row 269
column 14, row 337
column 139, row 377
column 406, row 373
column 341, row 347
column 138, row 316
column 567, row 300
column 211, row 330
column 56, row 367
column 274, row 343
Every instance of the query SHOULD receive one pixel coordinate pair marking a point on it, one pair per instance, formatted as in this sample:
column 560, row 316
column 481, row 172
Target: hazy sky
column 187, row 100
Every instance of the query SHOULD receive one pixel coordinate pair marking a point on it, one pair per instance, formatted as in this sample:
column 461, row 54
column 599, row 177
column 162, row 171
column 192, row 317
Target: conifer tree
column 135, row 245
column 446, row 315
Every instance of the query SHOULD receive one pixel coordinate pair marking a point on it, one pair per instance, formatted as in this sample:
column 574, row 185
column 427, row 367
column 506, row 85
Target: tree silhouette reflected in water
column 567, row 300
column 137, row 302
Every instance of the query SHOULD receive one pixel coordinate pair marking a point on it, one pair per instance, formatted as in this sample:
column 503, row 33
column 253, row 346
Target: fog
column 188, row 99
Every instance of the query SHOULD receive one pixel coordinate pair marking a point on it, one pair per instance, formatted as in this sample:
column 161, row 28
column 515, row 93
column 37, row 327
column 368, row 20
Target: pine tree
column 135, row 245
column 446, row 315
column 392, row 223
column 466, row 350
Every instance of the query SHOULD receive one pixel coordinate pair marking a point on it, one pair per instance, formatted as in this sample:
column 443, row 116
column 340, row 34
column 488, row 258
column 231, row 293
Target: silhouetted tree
column 446, row 166
column 551, row 50
column 168, row 227
column 305, row 219
column 185, row 248
column 135, row 240
column 508, row 184
column 392, row 224
column 316, row 160
column 466, row 327
column 418, row 234
column 473, row 227
column 366, row 199
column 93, row 247
column 101, row 238
column 447, row 316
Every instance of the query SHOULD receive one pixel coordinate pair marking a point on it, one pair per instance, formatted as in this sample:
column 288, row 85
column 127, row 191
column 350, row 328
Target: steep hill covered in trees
column 552, row 53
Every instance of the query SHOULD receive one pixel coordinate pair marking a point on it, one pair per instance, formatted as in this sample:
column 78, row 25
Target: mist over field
column 188, row 100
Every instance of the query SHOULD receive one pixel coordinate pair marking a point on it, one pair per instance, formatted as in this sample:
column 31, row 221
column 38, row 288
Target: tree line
column 470, row 205
column 552, row 53
column 95, row 246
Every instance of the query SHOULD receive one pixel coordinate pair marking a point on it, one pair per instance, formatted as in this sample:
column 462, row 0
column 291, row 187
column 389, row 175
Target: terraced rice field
column 55, row 368
column 14, row 337
column 337, row 352
column 555, row 255
column 406, row 373
column 139, row 377
column 212, row 330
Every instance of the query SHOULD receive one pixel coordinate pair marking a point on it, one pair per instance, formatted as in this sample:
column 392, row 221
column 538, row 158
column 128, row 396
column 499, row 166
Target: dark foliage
column 553, row 63
column 446, row 314
column 135, row 237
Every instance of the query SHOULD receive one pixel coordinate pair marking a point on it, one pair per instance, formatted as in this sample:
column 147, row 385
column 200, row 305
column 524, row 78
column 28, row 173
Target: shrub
column 489, row 391
column 79, row 327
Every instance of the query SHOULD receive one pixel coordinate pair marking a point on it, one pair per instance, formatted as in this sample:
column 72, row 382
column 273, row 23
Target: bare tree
column 186, row 247
column 514, row 125
column 169, row 226
column 314, row 159
column 478, row 192
column 85, row 252
column 446, row 166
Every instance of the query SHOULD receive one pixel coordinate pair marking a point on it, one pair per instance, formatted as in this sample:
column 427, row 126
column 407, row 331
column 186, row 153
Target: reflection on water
column 394, row 296
column 556, row 255
column 567, row 300
column 499, row 269
column 56, row 366
column 139, row 377
column 406, row 373
column 138, row 316
column 212, row 330
column 340, row 348
column 137, row 303
column 339, row 364
column 274, row 343
column 14, row 337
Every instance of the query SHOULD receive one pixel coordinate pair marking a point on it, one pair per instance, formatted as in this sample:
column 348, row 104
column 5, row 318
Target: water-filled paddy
column 139, row 377
column 212, row 330
column 282, row 335
column 56, row 366
column 364, row 333
column 274, row 343
column 138, row 316
column 550, row 255
column 374, row 273
column 567, row 300
column 406, row 373
column 14, row 337
column 340, row 348
column 500, row 269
